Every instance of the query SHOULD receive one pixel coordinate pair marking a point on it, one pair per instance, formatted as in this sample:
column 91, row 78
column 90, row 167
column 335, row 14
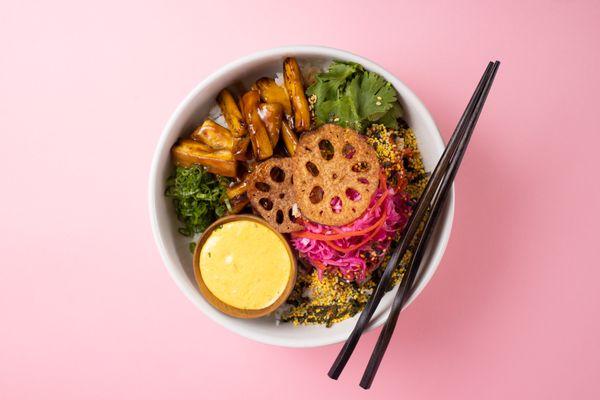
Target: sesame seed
column 378, row 103
column 378, row 97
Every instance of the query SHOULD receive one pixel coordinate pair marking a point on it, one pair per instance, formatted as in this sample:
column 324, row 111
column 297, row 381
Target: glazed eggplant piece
column 213, row 135
column 238, row 189
column 271, row 115
column 237, row 195
column 261, row 143
column 290, row 140
column 187, row 152
column 271, row 92
column 231, row 112
column 295, row 88
column 238, row 203
column 241, row 149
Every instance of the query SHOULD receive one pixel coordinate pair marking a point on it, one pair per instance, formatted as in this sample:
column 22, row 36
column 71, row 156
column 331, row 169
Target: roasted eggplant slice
column 271, row 92
column 193, row 146
column 295, row 89
column 187, row 152
column 237, row 189
column 241, row 149
column 238, row 203
column 290, row 140
column 271, row 114
column 213, row 135
column 261, row 143
column 232, row 114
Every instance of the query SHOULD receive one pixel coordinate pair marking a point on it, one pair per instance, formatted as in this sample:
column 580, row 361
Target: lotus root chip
column 271, row 194
column 335, row 174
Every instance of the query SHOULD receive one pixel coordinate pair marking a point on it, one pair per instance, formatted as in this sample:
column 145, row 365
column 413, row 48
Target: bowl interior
column 197, row 106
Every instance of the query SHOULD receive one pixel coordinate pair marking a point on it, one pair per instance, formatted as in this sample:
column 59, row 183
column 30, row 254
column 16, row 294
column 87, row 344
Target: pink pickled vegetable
column 357, row 248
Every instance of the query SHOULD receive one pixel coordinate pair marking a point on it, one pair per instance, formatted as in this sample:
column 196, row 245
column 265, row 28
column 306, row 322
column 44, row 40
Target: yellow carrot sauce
column 245, row 264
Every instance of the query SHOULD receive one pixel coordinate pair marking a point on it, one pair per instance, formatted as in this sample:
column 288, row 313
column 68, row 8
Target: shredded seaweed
column 198, row 197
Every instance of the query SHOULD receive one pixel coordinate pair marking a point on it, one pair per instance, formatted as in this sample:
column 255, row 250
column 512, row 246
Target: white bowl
column 174, row 247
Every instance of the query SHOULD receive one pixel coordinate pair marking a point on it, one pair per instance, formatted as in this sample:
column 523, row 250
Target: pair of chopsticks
column 433, row 199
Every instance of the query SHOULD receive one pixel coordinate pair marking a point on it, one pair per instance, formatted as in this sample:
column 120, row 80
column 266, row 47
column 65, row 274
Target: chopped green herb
column 390, row 118
column 192, row 247
column 349, row 96
column 198, row 197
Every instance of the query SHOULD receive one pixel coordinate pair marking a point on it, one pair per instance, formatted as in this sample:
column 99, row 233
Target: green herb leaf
column 327, row 87
column 390, row 118
column 349, row 96
column 376, row 96
column 334, row 79
column 348, row 114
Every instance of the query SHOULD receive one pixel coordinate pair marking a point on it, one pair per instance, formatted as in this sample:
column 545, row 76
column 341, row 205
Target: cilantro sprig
column 349, row 96
column 198, row 197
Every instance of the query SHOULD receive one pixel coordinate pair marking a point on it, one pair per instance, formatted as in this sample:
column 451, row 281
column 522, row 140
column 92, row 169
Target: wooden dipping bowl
column 214, row 300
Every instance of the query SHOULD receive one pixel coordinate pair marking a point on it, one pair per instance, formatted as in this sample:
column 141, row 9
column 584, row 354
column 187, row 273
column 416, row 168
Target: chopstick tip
column 366, row 385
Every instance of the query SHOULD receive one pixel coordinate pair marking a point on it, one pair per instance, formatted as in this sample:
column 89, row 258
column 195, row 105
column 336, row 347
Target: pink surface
column 88, row 310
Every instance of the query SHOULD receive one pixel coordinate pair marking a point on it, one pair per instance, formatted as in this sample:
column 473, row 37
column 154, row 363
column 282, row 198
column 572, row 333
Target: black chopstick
column 440, row 198
column 411, row 228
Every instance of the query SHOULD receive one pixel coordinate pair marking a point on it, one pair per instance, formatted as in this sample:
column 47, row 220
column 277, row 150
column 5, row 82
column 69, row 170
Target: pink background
column 87, row 309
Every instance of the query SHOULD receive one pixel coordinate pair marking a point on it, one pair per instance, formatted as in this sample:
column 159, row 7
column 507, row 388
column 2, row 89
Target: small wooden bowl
column 214, row 300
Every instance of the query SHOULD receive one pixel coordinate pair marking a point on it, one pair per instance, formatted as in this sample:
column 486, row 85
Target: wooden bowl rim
column 221, row 305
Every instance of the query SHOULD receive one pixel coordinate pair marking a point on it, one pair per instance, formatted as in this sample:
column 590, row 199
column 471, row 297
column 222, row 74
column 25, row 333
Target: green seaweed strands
column 198, row 197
